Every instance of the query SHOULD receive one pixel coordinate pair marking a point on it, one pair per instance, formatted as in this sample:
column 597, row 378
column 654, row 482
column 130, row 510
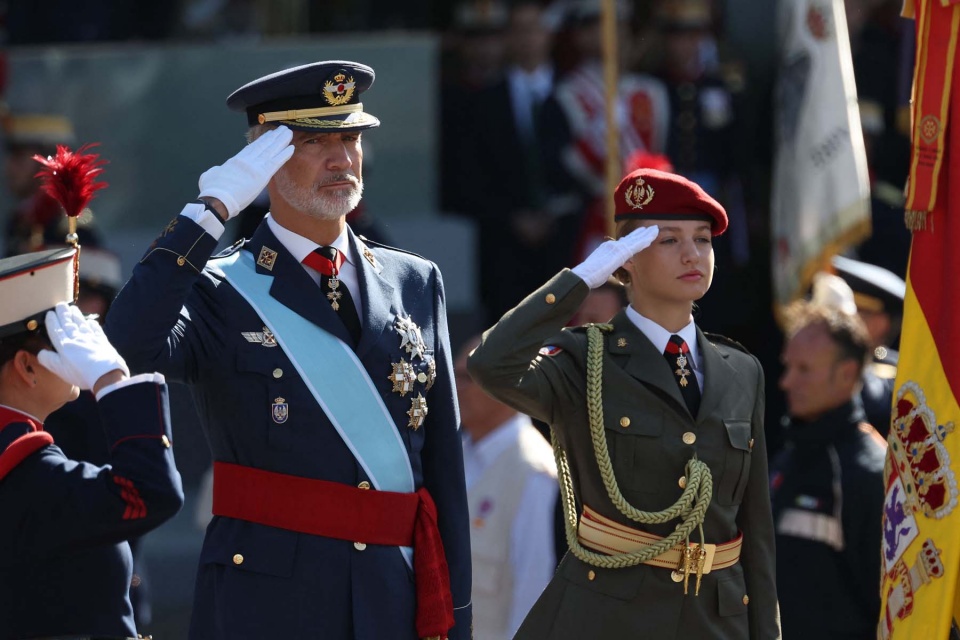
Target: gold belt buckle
column 711, row 550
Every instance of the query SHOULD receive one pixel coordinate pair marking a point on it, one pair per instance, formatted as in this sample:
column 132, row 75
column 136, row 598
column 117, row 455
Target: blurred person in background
column 65, row 565
column 574, row 127
column 35, row 220
column 511, row 481
column 878, row 296
column 827, row 483
column 507, row 194
column 602, row 303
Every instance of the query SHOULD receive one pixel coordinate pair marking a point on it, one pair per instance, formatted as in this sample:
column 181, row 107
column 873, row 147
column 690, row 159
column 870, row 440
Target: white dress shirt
column 531, row 535
column 660, row 337
column 298, row 246
column 526, row 90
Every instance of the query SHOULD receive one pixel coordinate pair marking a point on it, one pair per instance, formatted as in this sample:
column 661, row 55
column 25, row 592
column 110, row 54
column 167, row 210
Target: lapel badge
column 265, row 337
column 281, row 411
column 369, row 256
column 417, row 412
column 339, row 89
column 639, row 194
column 267, row 258
column 621, row 342
column 402, row 377
column 410, row 337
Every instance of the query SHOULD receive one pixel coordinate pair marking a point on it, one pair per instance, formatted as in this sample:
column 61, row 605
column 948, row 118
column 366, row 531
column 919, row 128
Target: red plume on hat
column 70, row 177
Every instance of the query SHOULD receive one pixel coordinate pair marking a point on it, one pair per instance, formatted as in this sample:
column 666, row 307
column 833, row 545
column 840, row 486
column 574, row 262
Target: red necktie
column 327, row 261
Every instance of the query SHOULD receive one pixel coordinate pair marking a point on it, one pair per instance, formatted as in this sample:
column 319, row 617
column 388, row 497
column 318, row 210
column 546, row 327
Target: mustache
column 340, row 177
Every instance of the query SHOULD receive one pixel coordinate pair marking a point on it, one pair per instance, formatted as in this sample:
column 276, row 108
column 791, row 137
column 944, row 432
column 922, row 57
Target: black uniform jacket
column 65, row 565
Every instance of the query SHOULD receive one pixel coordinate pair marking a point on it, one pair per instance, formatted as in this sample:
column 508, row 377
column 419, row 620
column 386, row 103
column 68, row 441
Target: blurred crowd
column 523, row 145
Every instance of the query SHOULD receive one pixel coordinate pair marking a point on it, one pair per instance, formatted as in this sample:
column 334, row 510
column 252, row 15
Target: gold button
column 421, row 377
column 591, row 575
column 32, row 325
column 682, row 482
column 676, row 576
column 550, row 298
column 166, row 441
column 689, row 437
column 624, row 422
column 278, row 373
column 181, row 261
column 238, row 559
column 746, row 599
column 359, row 546
column 135, row 581
column 750, row 444
column 363, row 485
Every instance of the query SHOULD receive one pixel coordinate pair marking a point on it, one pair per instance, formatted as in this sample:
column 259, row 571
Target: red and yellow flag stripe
column 921, row 548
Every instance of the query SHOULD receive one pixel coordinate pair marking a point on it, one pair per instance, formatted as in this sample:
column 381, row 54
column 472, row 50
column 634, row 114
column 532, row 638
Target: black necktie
column 327, row 261
column 678, row 357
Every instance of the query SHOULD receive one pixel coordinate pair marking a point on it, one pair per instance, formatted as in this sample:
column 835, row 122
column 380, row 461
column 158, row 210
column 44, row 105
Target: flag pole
column 612, row 174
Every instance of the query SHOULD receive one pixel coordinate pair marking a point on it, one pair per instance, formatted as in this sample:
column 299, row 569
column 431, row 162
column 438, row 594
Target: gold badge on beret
column 639, row 194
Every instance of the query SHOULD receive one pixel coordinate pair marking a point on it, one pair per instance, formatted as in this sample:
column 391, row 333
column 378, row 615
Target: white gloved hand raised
column 612, row 254
column 83, row 353
column 240, row 179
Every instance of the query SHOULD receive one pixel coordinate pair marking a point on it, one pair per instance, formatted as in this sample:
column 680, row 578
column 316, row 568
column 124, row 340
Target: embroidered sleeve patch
column 550, row 350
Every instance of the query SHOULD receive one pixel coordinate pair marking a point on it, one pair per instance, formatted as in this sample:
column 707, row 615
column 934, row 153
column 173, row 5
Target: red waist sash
column 335, row 510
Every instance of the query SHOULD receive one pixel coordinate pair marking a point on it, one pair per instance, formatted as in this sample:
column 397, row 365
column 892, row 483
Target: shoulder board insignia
column 718, row 339
column 550, row 350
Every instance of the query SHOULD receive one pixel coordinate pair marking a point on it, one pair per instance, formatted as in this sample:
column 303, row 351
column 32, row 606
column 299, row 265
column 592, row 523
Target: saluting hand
column 83, row 353
column 240, row 179
column 612, row 254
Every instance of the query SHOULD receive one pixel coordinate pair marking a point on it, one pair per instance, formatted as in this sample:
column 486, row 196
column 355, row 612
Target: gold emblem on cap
column 267, row 258
column 339, row 90
column 639, row 194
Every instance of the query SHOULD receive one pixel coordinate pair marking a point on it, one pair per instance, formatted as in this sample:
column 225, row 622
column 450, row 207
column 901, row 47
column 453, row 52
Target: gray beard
column 326, row 204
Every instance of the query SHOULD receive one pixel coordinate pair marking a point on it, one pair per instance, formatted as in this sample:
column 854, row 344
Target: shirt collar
column 300, row 247
column 660, row 336
column 495, row 442
column 9, row 415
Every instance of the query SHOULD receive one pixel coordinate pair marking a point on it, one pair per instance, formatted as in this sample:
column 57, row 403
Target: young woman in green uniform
column 658, row 432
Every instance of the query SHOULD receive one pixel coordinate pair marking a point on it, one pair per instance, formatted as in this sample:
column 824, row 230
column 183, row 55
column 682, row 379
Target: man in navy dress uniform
column 320, row 364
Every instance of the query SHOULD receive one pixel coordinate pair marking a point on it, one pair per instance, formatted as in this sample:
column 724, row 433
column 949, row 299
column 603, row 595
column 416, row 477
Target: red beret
column 649, row 194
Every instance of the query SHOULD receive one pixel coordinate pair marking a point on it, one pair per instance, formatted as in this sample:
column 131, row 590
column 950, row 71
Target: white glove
column 241, row 178
column 83, row 353
column 612, row 254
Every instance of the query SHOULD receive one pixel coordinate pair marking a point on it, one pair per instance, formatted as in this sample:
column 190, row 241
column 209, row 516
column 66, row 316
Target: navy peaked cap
column 321, row 96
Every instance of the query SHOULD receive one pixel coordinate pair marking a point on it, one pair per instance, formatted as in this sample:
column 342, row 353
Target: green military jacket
column 645, row 421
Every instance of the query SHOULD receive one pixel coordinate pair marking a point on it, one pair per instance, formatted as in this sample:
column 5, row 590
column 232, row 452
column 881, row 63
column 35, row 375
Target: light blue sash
column 337, row 380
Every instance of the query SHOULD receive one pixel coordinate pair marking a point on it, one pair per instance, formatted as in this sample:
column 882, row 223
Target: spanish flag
column 921, row 522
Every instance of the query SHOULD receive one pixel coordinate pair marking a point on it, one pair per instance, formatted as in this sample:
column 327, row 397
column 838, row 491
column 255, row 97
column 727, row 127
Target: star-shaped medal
column 417, row 412
column 402, row 377
column 410, row 337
